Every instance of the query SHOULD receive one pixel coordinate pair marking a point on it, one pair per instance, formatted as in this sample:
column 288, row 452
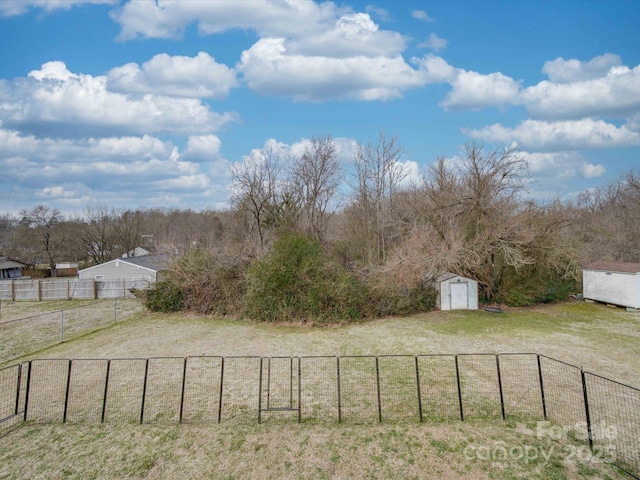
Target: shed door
column 459, row 297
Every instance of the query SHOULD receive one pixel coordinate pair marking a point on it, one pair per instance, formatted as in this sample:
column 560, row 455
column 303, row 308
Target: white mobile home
column 456, row 292
column 615, row 283
column 133, row 268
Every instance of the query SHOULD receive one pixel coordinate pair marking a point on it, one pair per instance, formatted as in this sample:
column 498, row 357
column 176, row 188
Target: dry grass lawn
column 601, row 339
column 31, row 326
column 471, row 451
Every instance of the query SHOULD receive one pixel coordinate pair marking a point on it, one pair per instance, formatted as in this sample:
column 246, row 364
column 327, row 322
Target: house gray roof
column 157, row 262
column 11, row 263
column 618, row 267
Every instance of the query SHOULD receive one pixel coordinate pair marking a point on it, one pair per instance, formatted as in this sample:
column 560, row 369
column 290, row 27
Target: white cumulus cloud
column 615, row 93
column 474, row 91
column 270, row 69
column 589, row 170
column 9, row 8
column 206, row 147
column 422, row 16
column 351, row 35
column 561, row 165
column 572, row 70
column 536, row 135
column 168, row 18
column 129, row 171
column 55, row 101
column 196, row 77
column 190, row 182
column 434, row 42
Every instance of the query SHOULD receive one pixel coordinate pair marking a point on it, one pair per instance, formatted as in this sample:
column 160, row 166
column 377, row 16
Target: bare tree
column 317, row 176
column 609, row 220
column 42, row 224
column 473, row 220
column 127, row 226
column 8, row 224
column 255, row 184
column 97, row 235
column 380, row 171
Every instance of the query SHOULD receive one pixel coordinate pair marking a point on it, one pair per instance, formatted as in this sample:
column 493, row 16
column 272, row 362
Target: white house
column 133, row 268
column 10, row 268
column 615, row 283
column 456, row 292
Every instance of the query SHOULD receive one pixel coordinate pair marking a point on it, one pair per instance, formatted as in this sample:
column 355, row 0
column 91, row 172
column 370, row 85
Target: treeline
column 366, row 242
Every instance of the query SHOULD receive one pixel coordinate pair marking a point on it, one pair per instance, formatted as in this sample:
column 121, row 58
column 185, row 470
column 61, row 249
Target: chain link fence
column 24, row 335
column 564, row 399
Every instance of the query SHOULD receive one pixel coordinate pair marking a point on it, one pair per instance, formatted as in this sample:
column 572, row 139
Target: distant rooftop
column 619, row 267
column 155, row 262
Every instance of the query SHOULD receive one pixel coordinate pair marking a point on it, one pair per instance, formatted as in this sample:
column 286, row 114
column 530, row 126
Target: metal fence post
column 106, row 391
column 260, row 391
column 144, row 391
column 500, row 386
column 115, row 310
column 299, row 390
column 544, row 403
column 19, row 381
column 26, row 394
column 221, row 387
column 419, row 392
column 378, row 390
column 184, row 380
column 66, row 393
column 459, row 389
column 339, row 396
column 586, row 408
column 61, row 326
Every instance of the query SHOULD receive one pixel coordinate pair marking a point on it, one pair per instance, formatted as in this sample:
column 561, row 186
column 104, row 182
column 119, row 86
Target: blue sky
column 136, row 103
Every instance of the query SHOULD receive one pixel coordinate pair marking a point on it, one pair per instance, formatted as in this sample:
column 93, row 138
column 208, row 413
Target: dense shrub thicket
column 296, row 281
column 521, row 290
column 166, row 296
column 202, row 282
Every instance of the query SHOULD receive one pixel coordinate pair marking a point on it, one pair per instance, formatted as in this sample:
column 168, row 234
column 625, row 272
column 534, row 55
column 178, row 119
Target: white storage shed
column 456, row 292
column 615, row 283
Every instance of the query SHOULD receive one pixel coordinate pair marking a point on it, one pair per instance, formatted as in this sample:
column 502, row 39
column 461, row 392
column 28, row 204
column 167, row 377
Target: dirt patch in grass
column 449, row 451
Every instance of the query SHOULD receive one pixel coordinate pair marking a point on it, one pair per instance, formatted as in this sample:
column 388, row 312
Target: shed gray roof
column 153, row 262
column 448, row 276
column 618, row 267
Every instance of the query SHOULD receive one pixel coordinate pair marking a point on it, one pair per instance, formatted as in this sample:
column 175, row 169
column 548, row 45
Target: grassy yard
column 601, row 339
column 26, row 327
column 448, row 451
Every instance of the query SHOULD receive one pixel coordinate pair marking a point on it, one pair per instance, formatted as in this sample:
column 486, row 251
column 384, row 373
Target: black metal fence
column 355, row 389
